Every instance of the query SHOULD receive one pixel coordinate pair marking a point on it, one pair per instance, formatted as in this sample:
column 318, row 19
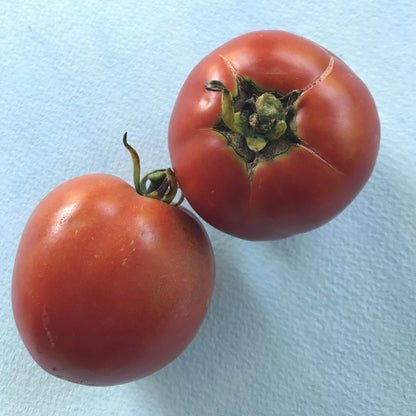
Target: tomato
column 272, row 135
column 109, row 286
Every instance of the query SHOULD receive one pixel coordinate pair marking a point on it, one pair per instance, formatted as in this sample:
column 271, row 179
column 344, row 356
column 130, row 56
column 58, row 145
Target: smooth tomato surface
column 300, row 180
column 109, row 286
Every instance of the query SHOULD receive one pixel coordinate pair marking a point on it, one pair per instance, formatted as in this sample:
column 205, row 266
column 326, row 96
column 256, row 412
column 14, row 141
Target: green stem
column 160, row 184
column 136, row 165
column 265, row 124
column 227, row 108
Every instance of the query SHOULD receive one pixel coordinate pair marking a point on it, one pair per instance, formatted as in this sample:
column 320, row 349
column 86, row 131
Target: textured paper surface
column 319, row 324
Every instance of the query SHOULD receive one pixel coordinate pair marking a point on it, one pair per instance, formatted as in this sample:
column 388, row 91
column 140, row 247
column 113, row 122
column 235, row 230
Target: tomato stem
column 265, row 123
column 160, row 184
column 136, row 164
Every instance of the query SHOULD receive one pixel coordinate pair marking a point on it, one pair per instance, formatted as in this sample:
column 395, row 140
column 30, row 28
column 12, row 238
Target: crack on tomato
column 230, row 65
column 321, row 158
column 321, row 77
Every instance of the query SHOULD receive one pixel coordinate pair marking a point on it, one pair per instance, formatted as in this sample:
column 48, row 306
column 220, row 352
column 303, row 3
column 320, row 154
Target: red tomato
column 281, row 144
column 109, row 286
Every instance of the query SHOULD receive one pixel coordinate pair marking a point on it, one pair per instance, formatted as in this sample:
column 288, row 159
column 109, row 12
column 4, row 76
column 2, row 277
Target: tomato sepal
column 160, row 184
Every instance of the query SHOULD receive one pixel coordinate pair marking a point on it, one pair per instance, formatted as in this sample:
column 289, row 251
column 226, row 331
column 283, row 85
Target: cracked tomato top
column 272, row 135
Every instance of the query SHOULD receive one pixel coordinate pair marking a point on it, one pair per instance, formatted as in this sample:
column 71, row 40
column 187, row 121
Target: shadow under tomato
column 242, row 354
column 215, row 364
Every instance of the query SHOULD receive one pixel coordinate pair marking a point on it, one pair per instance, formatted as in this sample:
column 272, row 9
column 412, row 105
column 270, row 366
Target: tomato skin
column 109, row 286
column 336, row 120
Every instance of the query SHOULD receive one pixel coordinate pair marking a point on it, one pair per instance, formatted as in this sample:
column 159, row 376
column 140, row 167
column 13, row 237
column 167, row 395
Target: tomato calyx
column 258, row 124
column 160, row 184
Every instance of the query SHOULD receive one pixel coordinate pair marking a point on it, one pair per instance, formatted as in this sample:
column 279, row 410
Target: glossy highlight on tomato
column 109, row 286
column 272, row 135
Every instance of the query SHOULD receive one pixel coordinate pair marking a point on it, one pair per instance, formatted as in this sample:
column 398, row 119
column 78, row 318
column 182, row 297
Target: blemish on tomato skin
column 46, row 324
column 124, row 261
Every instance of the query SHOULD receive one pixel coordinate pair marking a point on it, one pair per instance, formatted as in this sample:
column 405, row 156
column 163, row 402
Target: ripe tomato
column 272, row 135
column 109, row 286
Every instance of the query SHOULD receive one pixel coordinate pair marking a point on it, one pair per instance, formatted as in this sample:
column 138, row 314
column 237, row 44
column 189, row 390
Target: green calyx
column 160, row 184
column 263, row 123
